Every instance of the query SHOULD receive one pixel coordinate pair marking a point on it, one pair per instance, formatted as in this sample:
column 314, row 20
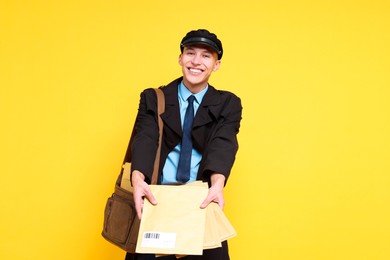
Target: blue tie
column 183, row 169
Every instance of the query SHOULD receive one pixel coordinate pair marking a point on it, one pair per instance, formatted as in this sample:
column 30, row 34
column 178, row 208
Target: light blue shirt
column 170, row 167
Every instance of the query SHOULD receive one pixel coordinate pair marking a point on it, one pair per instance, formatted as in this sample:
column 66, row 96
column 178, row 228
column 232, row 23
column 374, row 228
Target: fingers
column 141, row 190
column 206, row 202
column 150, row 197
column 214, row 196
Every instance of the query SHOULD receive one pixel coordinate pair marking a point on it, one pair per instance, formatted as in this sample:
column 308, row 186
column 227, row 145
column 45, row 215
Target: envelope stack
column 177, row 225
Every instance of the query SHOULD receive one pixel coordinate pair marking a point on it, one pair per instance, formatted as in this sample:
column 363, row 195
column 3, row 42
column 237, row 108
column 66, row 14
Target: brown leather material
column 160, row 110
column 121, row 224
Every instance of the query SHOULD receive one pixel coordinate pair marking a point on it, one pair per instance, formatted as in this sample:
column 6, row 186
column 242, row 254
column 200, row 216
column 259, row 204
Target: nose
column 196, row 59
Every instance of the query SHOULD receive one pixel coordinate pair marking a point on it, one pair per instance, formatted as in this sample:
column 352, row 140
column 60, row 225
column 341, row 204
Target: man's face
column 197, row 65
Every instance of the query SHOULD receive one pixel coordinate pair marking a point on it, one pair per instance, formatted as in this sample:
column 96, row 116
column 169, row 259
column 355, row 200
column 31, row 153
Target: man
column 198, row 119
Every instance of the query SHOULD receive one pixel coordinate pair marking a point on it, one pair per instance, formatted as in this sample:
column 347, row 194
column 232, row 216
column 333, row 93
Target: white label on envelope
column 158, row 240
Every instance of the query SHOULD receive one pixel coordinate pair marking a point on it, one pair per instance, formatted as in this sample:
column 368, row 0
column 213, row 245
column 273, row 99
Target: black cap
column 203, row 37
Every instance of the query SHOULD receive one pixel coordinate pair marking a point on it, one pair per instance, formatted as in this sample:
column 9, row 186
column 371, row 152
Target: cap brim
column 201, row 41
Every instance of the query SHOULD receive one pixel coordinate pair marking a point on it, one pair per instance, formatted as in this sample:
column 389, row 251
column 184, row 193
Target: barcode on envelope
column 158, row 240
column 152, row 235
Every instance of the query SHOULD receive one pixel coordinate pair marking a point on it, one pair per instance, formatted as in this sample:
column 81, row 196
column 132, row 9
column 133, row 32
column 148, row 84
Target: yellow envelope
column 225, row 229
column 218, row 227
column 211, row 233
column 176, row 224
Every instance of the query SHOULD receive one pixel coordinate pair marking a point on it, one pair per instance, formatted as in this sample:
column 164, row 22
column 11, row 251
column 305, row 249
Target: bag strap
column 160, row 110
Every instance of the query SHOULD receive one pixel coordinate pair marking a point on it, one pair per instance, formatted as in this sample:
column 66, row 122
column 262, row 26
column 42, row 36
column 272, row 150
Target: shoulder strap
column 160, row 110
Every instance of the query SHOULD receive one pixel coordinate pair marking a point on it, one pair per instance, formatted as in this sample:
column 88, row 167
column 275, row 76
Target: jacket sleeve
column 223, row 145
column 145, row 142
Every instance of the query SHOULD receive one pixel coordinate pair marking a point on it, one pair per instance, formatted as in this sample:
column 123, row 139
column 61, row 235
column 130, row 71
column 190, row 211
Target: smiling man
column 199, row 136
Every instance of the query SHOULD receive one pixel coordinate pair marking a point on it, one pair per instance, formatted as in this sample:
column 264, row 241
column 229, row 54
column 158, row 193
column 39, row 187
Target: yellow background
column 311, row 180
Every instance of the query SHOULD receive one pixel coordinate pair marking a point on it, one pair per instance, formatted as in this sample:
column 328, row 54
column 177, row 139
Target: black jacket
column 214, row 133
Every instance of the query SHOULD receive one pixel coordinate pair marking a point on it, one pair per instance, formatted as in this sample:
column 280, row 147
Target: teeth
column 195, row 70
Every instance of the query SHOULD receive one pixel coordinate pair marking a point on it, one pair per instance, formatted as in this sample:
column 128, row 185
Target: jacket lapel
column 208, row 109
column 171, row 116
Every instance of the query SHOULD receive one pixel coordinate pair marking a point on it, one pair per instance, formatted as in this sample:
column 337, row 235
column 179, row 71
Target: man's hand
column 216, row 191
column 141, row 190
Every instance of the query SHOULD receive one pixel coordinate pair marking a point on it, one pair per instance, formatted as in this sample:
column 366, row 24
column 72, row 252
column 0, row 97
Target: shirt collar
column 184, row 93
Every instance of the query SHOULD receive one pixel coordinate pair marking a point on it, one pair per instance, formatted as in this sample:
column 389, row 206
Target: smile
column 195, row 70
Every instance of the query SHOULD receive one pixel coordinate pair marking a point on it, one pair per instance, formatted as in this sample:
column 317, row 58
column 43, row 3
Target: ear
column 217, row 65
column 180, row 62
